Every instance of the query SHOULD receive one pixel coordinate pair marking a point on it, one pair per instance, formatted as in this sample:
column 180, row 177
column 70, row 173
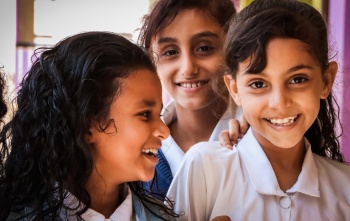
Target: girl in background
column 288, row 166
column 84, row 135
column 185, row 39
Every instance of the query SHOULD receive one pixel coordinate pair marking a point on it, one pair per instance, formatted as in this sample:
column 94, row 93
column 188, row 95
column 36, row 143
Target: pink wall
column 339, row 21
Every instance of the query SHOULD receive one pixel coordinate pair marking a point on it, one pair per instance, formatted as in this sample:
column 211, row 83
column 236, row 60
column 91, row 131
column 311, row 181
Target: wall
column 339, row 20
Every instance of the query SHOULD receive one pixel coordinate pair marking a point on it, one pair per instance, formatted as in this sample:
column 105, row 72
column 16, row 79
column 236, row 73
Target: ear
column 328, row 79
column 89, row 136
column 232, row 88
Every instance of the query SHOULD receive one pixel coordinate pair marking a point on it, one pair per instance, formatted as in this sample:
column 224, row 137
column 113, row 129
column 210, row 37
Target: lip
column 153, row 159
column 192, row 86
column 283, row 126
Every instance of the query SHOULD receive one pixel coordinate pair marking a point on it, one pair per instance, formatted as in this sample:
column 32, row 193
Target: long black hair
column 253, row 28
column 43, row 148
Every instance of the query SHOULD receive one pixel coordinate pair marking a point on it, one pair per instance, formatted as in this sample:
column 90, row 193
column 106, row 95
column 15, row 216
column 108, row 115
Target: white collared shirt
column 241, row 183
column 123, row 212
column 172, row 152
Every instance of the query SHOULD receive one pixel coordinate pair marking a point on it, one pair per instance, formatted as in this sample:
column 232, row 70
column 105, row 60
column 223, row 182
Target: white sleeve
column 188, row 189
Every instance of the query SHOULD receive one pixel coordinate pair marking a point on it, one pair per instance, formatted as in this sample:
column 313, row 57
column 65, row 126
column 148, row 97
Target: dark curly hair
column 256, row 25
column 43, row 147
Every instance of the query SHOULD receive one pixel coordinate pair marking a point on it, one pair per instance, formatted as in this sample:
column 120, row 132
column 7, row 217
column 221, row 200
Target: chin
column 147, row 177
column 286, row 145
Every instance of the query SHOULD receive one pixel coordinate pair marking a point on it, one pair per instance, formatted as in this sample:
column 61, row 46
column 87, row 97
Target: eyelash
column 303, row 79
column 295, row 80
column 255, row 82
column 146, row 114
column 206, row 47
column 170, row 53
column 201, row 49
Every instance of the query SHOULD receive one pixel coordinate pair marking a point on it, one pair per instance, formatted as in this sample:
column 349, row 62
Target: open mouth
column 282, row 122
column 150, row 152
column 192, row 85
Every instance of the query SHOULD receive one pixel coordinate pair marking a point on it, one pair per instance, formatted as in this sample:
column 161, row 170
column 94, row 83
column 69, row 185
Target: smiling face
column 188, row 53
column 282, row 101
column 124, row 151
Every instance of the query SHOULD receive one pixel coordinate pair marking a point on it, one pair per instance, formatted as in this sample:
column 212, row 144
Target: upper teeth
column 193, row 85
column 287, row 120
column 152, row 150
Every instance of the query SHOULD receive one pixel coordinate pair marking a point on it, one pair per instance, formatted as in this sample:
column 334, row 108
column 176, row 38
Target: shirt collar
column 172, row 152
column 169, row 113
column 123, row 212
column 262, row 175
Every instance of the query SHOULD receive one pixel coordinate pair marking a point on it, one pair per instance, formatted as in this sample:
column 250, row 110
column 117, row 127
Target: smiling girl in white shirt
column 185, row 39
column 289, row 165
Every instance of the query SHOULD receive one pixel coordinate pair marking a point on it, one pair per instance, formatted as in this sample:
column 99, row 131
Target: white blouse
column 172, row 152
column 241, row 184
column 123, row 212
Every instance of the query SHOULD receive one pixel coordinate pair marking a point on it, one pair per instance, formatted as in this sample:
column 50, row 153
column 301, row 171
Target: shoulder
column 204, row 155
column 140, row 211
column 211, row 149
column 334, row 179
column 332, row 167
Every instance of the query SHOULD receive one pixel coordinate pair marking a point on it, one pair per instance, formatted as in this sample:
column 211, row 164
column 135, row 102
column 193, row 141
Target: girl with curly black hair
column 84, row 135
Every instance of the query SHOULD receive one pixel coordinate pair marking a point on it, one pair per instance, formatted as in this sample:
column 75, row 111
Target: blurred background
column 28, row 24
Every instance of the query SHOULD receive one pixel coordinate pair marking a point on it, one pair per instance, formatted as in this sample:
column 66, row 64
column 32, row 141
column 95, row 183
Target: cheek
column 165, row 72
column 311, row 105
column 214, row 66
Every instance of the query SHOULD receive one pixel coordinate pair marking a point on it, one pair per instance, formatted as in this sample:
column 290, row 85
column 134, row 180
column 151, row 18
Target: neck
column 193, row 126
column 286, row 163
column 105, row 198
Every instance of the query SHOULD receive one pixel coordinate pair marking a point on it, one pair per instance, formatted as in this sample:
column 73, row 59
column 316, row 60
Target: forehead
column 189, row 21
column 282, row 54
column 140, row 86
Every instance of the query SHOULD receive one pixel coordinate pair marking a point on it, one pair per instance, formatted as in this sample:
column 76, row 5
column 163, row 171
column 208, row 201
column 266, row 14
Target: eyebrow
column 198, row 35
column 298, row 67
column 147, row 103
column 290, row 70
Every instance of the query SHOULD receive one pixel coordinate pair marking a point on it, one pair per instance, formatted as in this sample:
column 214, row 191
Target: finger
column 234, row 130
column 244, row 126
column 221, row 218
column 225, row 139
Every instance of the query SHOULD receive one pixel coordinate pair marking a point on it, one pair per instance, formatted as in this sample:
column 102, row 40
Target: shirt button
column 285, row 202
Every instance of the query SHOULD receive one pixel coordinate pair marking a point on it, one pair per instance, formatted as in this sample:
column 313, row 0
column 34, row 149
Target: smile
column 282, row 121
column 193, row 85
column 151, row 151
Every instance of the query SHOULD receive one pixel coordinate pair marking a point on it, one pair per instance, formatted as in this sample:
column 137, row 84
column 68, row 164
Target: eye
column 170, row 53
column 204, row 48
column 146, row 114
column 257, row 84
column 298, row 80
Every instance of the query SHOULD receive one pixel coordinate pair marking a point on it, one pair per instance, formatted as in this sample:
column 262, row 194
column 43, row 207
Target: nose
column 280, row 98
column 161, row 131
column 189, row 66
